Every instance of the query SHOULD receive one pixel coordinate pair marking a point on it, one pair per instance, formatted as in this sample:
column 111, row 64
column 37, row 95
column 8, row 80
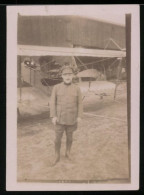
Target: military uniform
column 66, row 105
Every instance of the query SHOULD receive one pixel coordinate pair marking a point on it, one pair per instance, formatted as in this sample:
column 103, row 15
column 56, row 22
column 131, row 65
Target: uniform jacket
column 66, row 103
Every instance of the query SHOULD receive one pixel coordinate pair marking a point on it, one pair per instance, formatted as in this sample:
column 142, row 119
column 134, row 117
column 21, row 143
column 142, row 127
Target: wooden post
column 118, row 76
column 128, row 69
column 119, row 69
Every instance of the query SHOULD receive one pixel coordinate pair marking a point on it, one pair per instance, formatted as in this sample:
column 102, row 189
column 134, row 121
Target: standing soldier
column 65, row 110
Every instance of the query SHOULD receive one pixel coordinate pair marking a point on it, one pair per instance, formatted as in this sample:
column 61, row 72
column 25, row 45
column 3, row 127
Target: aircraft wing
column 30, row 50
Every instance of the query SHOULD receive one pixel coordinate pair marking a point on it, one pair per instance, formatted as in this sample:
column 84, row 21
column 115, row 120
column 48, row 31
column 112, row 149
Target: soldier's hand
column 54, row 120
column 78, row 120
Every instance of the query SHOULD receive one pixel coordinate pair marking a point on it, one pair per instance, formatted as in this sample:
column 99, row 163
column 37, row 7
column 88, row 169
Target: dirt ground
column 99, row 152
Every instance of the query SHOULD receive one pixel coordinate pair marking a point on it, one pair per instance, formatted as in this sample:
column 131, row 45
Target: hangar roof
column 69, row 31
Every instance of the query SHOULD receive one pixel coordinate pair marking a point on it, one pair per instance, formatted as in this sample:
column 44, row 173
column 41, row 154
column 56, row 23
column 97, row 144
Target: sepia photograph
column 73, row 97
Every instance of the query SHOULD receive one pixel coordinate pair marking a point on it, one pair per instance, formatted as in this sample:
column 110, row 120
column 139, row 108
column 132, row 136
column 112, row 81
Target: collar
column 67, row 84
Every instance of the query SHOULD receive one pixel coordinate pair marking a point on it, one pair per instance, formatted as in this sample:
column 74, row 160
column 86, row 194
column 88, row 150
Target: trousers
column 60, row 129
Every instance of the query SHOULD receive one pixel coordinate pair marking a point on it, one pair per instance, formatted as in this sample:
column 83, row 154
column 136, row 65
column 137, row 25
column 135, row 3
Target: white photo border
column 11, row 131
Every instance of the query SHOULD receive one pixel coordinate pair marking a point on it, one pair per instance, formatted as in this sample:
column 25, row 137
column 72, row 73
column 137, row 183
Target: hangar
column 87, row 43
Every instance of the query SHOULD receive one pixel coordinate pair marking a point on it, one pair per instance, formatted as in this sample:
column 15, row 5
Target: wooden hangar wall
column 69, row 31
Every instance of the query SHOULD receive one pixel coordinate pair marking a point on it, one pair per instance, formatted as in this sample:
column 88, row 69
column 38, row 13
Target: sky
column 110, row 13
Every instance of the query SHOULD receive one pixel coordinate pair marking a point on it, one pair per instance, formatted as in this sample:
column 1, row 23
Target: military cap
column 67, row 68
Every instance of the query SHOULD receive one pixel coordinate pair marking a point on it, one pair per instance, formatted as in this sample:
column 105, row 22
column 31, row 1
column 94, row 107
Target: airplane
column 40, row 71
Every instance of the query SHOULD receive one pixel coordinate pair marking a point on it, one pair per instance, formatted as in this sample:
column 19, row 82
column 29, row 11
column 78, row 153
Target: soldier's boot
column 67, row 154
column 57, row 147
column 68, row 146
column 57, row 151
column 57, row 155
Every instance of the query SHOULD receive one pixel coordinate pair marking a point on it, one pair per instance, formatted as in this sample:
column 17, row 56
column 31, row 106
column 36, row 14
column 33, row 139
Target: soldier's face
column 67, row 77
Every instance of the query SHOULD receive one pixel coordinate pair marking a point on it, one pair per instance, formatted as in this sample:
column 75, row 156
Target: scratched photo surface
column 96, row 49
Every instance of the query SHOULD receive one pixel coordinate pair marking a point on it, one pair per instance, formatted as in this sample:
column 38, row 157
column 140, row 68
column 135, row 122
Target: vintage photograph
column 73, row 95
